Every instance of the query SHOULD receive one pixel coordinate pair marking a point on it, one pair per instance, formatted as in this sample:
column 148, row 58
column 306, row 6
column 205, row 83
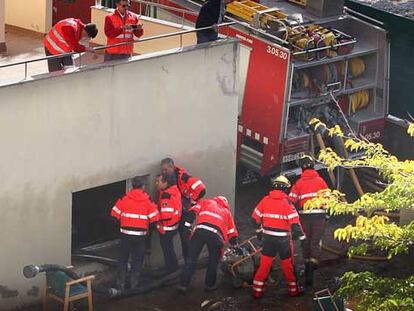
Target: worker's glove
column 297, row 232
column 302, row 240
column 297, row 236
column 160, row 229
column 259, row 235
column 153, row 226
column 186, row 229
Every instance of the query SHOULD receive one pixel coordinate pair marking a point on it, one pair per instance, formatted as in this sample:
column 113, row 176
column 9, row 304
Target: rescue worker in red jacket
column 313, row 221
column 192, row 189
column 280, row 224
column 121, row 26
column 169, row 207
column 214, row 227
column 64, row 38
column 136, row 213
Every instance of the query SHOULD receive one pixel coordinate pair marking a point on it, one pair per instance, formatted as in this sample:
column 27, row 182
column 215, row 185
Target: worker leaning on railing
column 64, row 37
column 211, row 14
column 121, row 26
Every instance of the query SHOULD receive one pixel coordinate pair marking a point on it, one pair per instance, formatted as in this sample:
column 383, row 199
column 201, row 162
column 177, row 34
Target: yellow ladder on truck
column 257, row 14
column 300, row 2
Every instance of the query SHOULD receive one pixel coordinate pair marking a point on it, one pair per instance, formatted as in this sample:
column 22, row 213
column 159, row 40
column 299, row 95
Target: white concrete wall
column 94, row 127
column 2, row 30
column 35, row 15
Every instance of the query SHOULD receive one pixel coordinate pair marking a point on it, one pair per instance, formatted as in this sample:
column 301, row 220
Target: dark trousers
column 208, row 36
column 109, row 57
column 184, row 230
column 134, row 247
column 273, row 246
column 167, row 245
column 314, row 226
column 214, row 245
column 57, row 64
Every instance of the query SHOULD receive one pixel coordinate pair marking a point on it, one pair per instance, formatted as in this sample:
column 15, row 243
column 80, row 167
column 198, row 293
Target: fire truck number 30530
column 275, row 51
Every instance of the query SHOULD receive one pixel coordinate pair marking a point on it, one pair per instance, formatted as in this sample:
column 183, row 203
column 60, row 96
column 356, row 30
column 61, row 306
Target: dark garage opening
column 91, row 221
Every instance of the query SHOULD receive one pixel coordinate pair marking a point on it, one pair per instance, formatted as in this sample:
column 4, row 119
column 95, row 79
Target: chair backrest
column 56, row 281
column 328, row 303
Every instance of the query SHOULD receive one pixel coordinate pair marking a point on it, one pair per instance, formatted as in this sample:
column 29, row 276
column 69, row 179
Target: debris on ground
column 398, row 7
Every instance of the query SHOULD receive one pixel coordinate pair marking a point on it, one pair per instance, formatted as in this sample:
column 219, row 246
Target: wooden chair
column 63, row 289
column 324, row 301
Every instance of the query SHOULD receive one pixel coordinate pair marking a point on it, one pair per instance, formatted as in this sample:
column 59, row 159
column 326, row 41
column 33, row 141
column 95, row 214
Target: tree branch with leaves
column 369, row 230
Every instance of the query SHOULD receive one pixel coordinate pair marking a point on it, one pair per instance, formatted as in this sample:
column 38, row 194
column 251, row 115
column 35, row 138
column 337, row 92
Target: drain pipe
column 31, row 271
column 115, row 293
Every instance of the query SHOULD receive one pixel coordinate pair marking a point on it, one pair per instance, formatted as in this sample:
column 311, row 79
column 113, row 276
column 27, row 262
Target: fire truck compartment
column 358, row 80
column 289, row 81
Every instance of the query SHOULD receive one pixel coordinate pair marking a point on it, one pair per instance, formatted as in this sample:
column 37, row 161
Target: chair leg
column 66, row 301
column 45, row 298
column 90, row 300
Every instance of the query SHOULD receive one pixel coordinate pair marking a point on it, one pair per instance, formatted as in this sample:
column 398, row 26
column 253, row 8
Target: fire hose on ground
column 31, row 271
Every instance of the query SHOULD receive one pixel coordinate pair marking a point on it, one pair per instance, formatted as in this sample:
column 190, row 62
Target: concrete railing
column 147, row 39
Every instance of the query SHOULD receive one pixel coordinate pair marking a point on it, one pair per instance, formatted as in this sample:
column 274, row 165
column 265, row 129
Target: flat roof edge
column 137, row 58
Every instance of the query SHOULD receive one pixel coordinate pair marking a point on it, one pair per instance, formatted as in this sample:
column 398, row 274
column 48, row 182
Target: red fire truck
column 285, row 83
column 295, row 66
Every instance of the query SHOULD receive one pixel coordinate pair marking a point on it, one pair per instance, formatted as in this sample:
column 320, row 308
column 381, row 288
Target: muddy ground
column 228, row 298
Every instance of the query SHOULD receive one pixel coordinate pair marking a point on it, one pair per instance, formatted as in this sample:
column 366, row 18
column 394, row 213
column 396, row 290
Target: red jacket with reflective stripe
column 307, row 186
column 169, row 206
column 64, row 37
column 135, row 211
column 191, row 187
column 213, row 216
column 275, row 213
column 116, row 34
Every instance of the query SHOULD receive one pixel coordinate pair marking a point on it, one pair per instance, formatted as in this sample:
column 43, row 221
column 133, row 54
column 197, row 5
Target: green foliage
column 410, row 130
column 372, row 293
column 384, row 236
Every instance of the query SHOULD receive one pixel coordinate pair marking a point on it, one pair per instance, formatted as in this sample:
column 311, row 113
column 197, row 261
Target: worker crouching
column 169, row 206
column 214, row 227
column 280, row 223
column 135, row 212
column 313, row 221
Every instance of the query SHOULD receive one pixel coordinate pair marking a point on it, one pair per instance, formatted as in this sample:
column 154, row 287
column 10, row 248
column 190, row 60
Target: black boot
column 309, row 268
column 134, row 280
column 120, row 281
